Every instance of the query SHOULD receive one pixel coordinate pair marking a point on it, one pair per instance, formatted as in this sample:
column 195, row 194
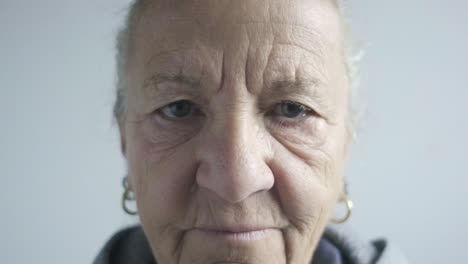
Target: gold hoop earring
column 349, row 209
column 127, row 196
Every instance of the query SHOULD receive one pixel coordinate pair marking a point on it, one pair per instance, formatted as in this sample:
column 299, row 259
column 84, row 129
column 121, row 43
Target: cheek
column 304, row 197
column 162, row 175
column 319, row 149
column 308, row 177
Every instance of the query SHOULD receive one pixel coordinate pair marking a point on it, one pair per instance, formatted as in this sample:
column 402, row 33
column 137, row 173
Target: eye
column 178, row 110
column 289, row 109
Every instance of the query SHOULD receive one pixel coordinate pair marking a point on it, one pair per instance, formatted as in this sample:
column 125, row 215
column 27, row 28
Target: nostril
column 233, row 164
column 234, row 184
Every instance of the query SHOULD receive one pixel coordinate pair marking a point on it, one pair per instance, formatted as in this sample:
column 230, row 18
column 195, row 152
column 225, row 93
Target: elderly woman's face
column 236, row 134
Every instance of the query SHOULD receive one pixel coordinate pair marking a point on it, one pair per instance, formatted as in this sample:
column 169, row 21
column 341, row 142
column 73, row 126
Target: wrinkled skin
column 236, row 130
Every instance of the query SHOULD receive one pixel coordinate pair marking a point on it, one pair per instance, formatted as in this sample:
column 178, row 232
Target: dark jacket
column 129, row 246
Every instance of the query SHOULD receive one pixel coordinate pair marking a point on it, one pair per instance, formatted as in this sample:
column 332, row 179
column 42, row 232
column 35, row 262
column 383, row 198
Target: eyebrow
column 287, row 86
column 180, row 78
column 300, row 87
column 189, row 84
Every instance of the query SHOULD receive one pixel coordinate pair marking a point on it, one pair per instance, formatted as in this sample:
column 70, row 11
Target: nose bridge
column 233, row 158
column 235, row 144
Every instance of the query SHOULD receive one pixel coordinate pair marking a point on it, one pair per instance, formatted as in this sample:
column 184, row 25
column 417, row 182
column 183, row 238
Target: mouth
column 237, row 233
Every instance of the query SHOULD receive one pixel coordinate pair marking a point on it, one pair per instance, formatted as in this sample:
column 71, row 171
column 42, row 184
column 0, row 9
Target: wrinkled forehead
column 220, row 21
column 302, row 37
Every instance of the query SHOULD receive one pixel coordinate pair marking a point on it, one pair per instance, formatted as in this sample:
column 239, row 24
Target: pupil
column 180, row 109
column 292, row 110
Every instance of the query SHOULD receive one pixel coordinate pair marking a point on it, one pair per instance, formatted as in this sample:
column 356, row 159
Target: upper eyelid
column 195, row 105
column 281, row 119
column 306, row 108
column 179, row 100
column 262, row 108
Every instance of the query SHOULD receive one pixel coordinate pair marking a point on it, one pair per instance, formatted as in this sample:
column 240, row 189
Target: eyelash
column 280, row 121
column 285, row 122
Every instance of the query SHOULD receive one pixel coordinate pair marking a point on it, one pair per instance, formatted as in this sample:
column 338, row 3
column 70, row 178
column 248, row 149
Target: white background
column 60, row 162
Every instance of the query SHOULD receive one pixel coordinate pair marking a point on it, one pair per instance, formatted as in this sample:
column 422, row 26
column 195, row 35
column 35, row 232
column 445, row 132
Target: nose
column 234, row 159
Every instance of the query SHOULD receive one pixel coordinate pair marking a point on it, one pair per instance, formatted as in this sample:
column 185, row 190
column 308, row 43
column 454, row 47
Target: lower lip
column 240, row 236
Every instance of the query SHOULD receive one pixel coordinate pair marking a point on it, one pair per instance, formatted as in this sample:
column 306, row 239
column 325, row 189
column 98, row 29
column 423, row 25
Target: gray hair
column 124, row 48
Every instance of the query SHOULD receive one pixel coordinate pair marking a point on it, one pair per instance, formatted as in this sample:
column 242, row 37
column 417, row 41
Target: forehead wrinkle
column 308, row 38
column 211, row 22
column 292, row 67
column 294, row 37
column 177, row 62
column 317, row 55
column 151, row 60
